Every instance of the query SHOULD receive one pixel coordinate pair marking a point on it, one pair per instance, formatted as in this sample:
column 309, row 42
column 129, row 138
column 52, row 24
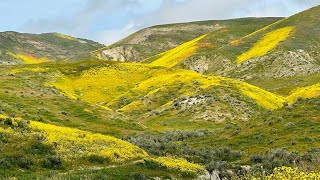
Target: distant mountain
column 17, row 48
column 153, row 40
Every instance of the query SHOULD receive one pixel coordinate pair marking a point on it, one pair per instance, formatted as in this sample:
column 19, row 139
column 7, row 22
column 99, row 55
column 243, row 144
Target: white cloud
column 133, row 15
column 110, row 36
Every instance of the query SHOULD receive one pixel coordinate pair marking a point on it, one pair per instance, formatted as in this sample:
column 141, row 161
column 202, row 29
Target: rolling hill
column 232, row 98
column 17, row 48
column 284, row 49
column 154, row 40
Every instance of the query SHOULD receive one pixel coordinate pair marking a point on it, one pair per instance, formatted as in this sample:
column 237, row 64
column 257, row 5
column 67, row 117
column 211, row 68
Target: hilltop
column 18, row 48
column 153, row 40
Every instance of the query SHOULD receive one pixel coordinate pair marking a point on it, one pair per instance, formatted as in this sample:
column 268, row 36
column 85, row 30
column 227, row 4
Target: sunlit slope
column 305, row 92
column 125, row 83
column 154, row 40
column 123, row 86
column 72, row 144
column 285, row 48
column 176, row 55
column 43, row 147
column 163, row 90
column 101, row 85
column 266, row 44
column 296, row 32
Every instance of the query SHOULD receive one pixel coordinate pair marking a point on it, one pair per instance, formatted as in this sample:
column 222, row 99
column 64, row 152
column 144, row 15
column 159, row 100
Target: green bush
column 53, row 162
column 39, row 148
column 98, row 159
column 15, row 161
column 3, row 138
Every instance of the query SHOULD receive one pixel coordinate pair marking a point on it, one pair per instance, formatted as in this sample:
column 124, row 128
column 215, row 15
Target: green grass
column 157, row 42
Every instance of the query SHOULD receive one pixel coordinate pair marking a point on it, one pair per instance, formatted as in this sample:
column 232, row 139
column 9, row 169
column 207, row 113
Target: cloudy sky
column 107, row 21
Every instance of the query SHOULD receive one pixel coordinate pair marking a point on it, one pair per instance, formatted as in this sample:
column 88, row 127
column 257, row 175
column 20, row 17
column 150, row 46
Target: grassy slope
column 153, row 93
column 304, row 36
column 50, row 46
column 154, row 40
column 30, row 147
column 293, row 128
column 277, row 66
column 25, row 95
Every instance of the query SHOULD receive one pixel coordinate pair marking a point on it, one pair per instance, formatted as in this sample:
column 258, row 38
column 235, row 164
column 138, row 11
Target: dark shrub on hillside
column 256, row 159
column 139, row 176
column 24, row 162
column 8, row 121
column 15, row 161
column 3, row 138
column 23, row 124
column 98, row 159
column 53, row 162
column 39, row 148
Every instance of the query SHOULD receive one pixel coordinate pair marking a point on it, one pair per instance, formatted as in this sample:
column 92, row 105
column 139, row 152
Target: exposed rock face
column 121, row 53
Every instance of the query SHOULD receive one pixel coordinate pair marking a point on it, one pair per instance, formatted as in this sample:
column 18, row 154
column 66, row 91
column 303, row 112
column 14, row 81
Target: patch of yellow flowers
column 176, row 55
column 289, row 173
column 72, row 143
column 27, row 58
column 305, row 92
column 266, row 44
column 179, row 164
column 261, row 97
column 236, row 42
column 101, row 85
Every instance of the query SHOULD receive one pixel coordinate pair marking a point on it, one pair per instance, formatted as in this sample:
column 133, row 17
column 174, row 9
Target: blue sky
column 107, row 21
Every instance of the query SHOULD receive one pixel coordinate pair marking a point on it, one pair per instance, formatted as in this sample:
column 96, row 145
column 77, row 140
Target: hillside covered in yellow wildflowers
column 229, row 99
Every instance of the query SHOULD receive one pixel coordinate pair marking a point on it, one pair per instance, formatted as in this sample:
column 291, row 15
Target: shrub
column 98, row 159
column 8, row 121
column 39, row 148
column 256, row 159
column 3, row 138
column 53, row 162
column 15, row 161
column 139, row 176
